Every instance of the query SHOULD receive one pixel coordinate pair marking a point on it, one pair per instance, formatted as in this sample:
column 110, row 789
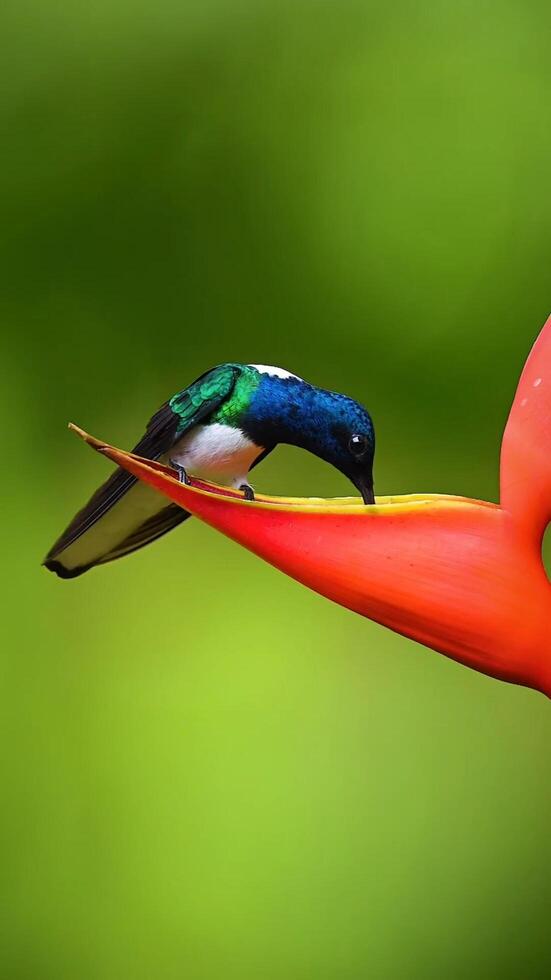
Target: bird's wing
column 158, row 438
column 186, row 409
column 154, row 527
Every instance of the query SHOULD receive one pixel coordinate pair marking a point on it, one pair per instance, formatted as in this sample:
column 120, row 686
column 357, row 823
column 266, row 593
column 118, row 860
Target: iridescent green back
column 221, row 395
column 232, row 409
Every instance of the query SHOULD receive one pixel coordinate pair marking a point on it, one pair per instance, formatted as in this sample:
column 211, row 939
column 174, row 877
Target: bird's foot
column 182, row 475
column 248, row 491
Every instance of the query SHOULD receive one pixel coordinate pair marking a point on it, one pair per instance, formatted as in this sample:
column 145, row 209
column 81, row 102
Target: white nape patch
column 274, row 371
column 217, row 453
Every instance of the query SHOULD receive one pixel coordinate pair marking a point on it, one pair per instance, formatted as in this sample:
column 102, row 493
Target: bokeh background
column 208, row 771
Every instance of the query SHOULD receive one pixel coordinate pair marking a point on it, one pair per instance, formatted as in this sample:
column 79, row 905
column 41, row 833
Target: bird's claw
column 182, row 475
column 248, row 491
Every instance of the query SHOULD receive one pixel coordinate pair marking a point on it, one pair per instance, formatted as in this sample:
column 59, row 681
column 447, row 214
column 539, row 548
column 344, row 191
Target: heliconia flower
column 465, row 577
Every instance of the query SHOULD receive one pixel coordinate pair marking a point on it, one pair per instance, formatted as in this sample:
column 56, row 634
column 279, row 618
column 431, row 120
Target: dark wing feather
column 158, row 439
column 146, row 533
column 185, row 410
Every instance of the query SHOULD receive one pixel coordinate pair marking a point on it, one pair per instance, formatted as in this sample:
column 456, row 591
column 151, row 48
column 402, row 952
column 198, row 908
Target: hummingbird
column 217, row 429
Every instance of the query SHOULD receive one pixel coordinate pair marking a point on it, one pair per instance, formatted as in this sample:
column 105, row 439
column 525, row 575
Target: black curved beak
column 365, row 485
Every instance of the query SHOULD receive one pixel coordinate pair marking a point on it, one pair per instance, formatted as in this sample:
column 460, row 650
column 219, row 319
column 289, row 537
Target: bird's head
column 343, row 435
column 332, row 426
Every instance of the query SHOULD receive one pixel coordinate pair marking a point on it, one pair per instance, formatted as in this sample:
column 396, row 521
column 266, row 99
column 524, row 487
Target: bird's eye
column 358, row 445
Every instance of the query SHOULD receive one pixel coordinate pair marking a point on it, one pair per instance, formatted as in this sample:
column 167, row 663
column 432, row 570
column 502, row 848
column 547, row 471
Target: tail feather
column 105, row 497
column 150, row 530
column 135, row 516
column 121, row 516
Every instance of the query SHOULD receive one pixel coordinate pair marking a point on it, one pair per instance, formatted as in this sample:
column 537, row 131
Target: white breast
column 217, row 453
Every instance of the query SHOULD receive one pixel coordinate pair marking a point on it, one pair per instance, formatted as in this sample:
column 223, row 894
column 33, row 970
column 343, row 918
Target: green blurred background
column 209, row 772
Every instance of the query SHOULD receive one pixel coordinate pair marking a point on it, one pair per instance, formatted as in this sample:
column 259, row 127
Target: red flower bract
column 464, row 577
